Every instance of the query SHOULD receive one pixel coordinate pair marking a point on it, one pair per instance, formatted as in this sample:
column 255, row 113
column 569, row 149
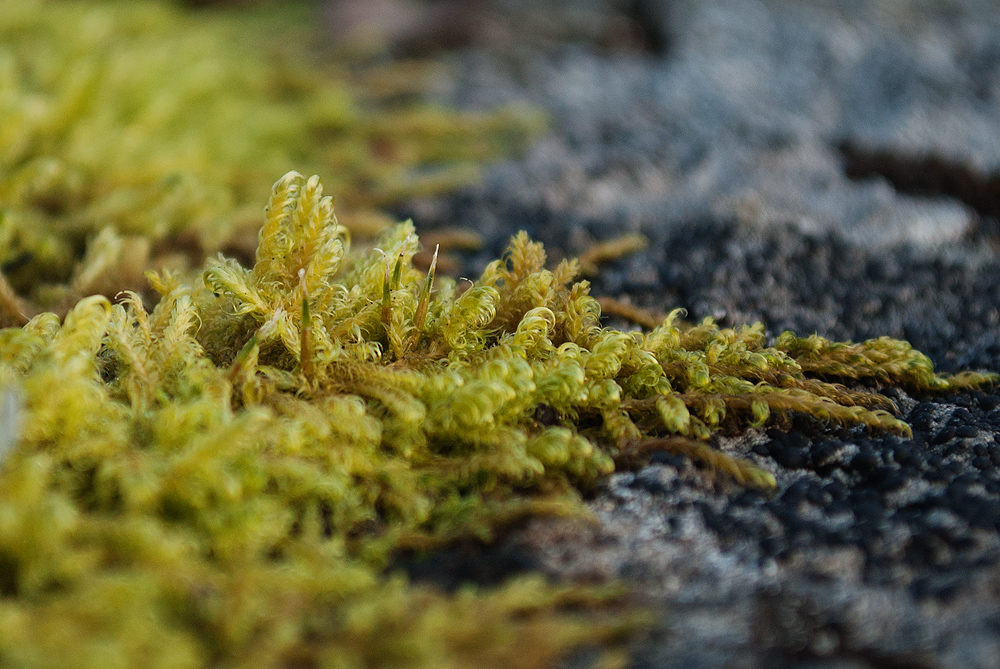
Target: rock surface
column 827, row 166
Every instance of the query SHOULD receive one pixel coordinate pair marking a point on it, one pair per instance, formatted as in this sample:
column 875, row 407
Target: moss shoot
column 223, row 480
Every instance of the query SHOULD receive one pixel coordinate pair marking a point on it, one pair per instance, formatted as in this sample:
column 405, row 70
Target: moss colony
column 226, row 479
column 134, row 136
column 222, row 481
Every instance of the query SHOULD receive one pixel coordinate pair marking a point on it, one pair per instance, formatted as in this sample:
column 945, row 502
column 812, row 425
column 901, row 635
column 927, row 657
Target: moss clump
column 136, row 135
column 222, row 481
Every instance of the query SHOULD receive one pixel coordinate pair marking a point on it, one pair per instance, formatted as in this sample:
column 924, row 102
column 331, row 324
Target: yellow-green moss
column 134, row 134
column 223, row 481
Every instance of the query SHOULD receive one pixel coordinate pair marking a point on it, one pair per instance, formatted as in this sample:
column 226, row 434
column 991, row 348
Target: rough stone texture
column 875, row 552
column 746, row 113
column 826, row 166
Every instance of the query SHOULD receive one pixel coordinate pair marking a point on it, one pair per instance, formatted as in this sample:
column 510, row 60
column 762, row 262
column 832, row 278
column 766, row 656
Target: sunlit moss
column 224, row 480
column 227, row 478
column 134, row 134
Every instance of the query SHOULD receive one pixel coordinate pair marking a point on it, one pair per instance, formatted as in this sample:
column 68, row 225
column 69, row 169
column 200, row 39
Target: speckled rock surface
column 745, row 112
column 875, row 552
column 825, row 166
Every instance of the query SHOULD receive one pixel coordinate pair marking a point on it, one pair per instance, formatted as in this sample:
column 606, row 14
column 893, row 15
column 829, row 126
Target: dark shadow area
column 467, row 562
column 928, row 175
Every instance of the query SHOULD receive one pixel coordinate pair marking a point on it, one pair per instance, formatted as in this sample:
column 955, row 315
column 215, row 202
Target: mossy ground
column 222, row 479
column 134, row 135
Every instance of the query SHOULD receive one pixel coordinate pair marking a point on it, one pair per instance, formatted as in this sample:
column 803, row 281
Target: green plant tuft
column 223, row 480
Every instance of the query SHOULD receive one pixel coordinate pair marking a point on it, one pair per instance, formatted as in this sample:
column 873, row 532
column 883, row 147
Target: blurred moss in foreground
column 224, row 481
column 137, row 134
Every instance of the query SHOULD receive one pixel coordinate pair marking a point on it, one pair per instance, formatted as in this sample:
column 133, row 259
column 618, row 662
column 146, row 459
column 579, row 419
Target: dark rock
column 945, row 434
column 865, row 462
column 468, row 562
column 791, row 457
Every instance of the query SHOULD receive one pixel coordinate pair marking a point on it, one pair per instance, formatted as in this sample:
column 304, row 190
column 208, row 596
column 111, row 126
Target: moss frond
column 228, row 475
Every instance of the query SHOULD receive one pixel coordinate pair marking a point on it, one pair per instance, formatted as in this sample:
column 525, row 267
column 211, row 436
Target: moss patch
column 137, row 135
column 223, row 480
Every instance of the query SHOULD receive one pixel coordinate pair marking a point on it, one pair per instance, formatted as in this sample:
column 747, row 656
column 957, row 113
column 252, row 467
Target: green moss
column 228, row 479
column 223, row 481
column 136, row 135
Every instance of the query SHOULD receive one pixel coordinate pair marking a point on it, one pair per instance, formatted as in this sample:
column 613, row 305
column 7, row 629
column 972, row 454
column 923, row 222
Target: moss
column 137, row 135
column 223, row 481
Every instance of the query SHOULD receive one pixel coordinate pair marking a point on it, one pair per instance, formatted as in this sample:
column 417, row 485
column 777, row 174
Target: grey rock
column 747, row 113
column 823, row 166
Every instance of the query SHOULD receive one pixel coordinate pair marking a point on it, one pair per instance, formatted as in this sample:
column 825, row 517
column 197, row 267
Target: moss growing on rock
column 224, row 478
column 222, row 481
